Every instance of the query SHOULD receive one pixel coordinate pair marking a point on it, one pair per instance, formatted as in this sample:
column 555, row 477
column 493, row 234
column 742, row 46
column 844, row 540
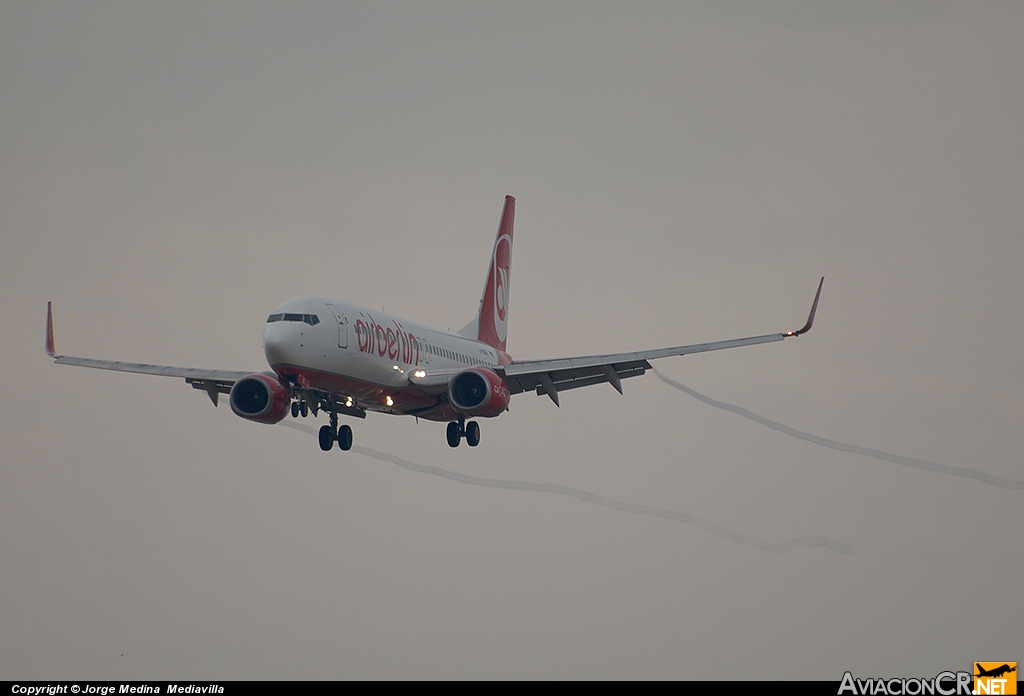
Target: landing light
column 389, row 401
column 349, row 402
column 419, row 373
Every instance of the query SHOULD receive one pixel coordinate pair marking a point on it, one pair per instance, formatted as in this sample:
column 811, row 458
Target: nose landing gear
column 329, row 434
column 462, row 429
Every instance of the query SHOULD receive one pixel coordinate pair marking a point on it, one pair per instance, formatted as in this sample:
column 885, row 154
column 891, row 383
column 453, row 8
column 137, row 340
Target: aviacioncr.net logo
column 944, row 684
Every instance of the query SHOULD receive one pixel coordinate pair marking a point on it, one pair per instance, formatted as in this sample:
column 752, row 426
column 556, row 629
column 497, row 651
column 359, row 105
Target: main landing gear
column 462, row 429
column 329, row 434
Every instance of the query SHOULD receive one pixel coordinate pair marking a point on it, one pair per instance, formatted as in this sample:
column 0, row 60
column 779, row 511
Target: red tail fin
column 491, row 323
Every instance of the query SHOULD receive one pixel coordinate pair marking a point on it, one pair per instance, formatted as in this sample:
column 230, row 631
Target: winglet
column 49, row 330
column 810, row 317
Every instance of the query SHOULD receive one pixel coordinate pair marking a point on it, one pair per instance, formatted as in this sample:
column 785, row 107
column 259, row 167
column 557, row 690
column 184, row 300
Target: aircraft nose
column 275, row 345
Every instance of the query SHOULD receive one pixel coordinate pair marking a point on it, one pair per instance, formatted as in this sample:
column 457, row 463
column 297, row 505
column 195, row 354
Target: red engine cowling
column 260, row 397
column 478, row 392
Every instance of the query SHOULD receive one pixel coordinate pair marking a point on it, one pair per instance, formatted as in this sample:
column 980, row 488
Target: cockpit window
column 310, row 319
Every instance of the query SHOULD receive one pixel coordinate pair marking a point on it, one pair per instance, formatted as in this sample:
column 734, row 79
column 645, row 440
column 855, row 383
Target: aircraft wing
column 552, row 376
column 190, row 373
column 213, row 382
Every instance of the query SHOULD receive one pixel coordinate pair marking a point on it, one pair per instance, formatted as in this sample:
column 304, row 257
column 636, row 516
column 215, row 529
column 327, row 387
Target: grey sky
column 170, row 173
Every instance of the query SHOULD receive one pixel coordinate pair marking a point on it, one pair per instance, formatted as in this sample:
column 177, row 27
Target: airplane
column 994, row 672
column 333, row 356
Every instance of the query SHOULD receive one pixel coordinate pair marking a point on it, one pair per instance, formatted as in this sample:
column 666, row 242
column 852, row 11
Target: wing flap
column 550, row 382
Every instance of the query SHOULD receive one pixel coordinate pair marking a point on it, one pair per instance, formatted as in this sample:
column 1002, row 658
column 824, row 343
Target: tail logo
column 500, row 272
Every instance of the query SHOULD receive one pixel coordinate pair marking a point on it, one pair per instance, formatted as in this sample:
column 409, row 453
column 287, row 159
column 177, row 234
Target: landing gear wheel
column 304, row 409
column 345, row 437
column 454, row 434
column 326, row 438
column 295, row 409
column 472, row 433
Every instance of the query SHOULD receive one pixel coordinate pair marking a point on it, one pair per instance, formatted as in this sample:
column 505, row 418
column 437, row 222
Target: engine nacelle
column 478, row 392
column 260, row 397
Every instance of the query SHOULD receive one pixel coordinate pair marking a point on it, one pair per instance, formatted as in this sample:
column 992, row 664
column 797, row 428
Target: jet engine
column 478, row 392
column 260, row 397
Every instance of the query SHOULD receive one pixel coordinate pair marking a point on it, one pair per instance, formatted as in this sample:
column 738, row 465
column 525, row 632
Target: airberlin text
column 396, row 343
column 945, row 684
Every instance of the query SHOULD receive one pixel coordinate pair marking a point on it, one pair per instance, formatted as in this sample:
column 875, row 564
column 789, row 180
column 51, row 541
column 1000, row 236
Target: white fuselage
column 347, row 350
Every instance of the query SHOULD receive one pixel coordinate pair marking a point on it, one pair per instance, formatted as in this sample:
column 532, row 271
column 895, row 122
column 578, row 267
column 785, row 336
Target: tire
column 304, row 409
column 472, row 433
column 454, row 434
column 345, row 437
column 326, row 438
column 295, row 409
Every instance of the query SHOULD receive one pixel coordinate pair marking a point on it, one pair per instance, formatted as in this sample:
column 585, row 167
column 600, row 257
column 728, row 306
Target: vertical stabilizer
column 491, row 323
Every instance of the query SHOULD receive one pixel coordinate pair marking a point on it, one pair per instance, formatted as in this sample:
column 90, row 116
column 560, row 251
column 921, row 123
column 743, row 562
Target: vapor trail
column 843, row 447
column 619, row 505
